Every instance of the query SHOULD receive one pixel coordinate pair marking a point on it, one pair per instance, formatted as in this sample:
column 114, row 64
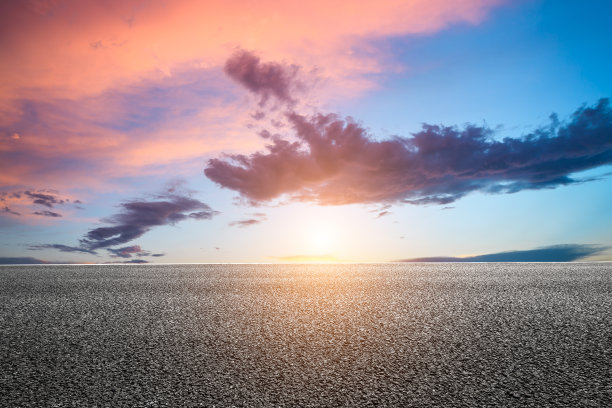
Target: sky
column 377, row 131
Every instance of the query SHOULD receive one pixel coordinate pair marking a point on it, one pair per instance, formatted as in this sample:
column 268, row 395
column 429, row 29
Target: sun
column 321, row 239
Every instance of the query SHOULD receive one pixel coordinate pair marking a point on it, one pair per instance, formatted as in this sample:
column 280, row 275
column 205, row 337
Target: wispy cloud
column 47, row 213
column 556, row 253
column 68, row 141
column 256, row 219
column 25, row 260
column 23, row 202
column 382, row 211
column 129, row 251
column 44, row 198
column 137, row 217
column 7, row 210
column 244, row 223
column 131, row 261
column 62, row 248
column 138, row 39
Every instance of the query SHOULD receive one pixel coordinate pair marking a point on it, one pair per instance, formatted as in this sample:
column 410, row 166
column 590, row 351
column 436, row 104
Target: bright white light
column 321, row 240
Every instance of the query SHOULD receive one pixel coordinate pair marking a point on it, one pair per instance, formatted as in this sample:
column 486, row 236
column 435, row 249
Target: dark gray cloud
column 131, row 261
column 263, row 79
column 128, row 252
column 202, row 215
column 334, row 161
column 19, row 202
column 62, row 248
column 137, row 217
column 8, row 210
column 48, row 199
column 47, row 213
column 557, row 253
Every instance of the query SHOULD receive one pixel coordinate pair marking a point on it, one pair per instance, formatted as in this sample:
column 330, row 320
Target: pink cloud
column 138, row 130
column 264, row 79
column 85, row 47
column 34, row 206
column 335, row 161
column 82, row 80
column 332, row 161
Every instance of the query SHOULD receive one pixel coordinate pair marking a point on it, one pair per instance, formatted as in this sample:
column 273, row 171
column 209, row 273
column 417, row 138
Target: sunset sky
column 269, row 131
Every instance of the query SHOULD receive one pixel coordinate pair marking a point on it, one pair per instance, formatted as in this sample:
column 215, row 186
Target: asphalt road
column 406, row 335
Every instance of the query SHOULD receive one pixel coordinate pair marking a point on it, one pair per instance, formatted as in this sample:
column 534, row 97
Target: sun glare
column 321, row 239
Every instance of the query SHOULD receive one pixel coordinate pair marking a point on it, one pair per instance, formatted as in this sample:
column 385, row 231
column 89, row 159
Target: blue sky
column 102, row 144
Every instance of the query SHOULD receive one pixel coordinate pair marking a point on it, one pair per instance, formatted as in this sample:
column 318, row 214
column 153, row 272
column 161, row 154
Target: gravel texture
column 404, row 335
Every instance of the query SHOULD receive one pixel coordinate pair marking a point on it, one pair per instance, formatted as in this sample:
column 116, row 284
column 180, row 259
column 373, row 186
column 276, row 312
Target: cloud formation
column 22, row 202
column 129, row 251
column 25, row 260
column 556, row 253
column 89, row 46
column 335, row 161
column 62, row 248
column 136, row 218
column 47, row 213
column 264, row 79
column 139, row 216
column 244, row 223
column 137, row 129
column 47, row 198
column 256, row 219
column 7, row 210
column 95, row 91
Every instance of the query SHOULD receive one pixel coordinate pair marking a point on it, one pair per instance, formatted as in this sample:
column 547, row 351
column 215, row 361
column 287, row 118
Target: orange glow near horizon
column 315, row 259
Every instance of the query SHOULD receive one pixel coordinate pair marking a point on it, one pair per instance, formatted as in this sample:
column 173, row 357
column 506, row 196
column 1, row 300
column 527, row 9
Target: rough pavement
column 410, row 335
